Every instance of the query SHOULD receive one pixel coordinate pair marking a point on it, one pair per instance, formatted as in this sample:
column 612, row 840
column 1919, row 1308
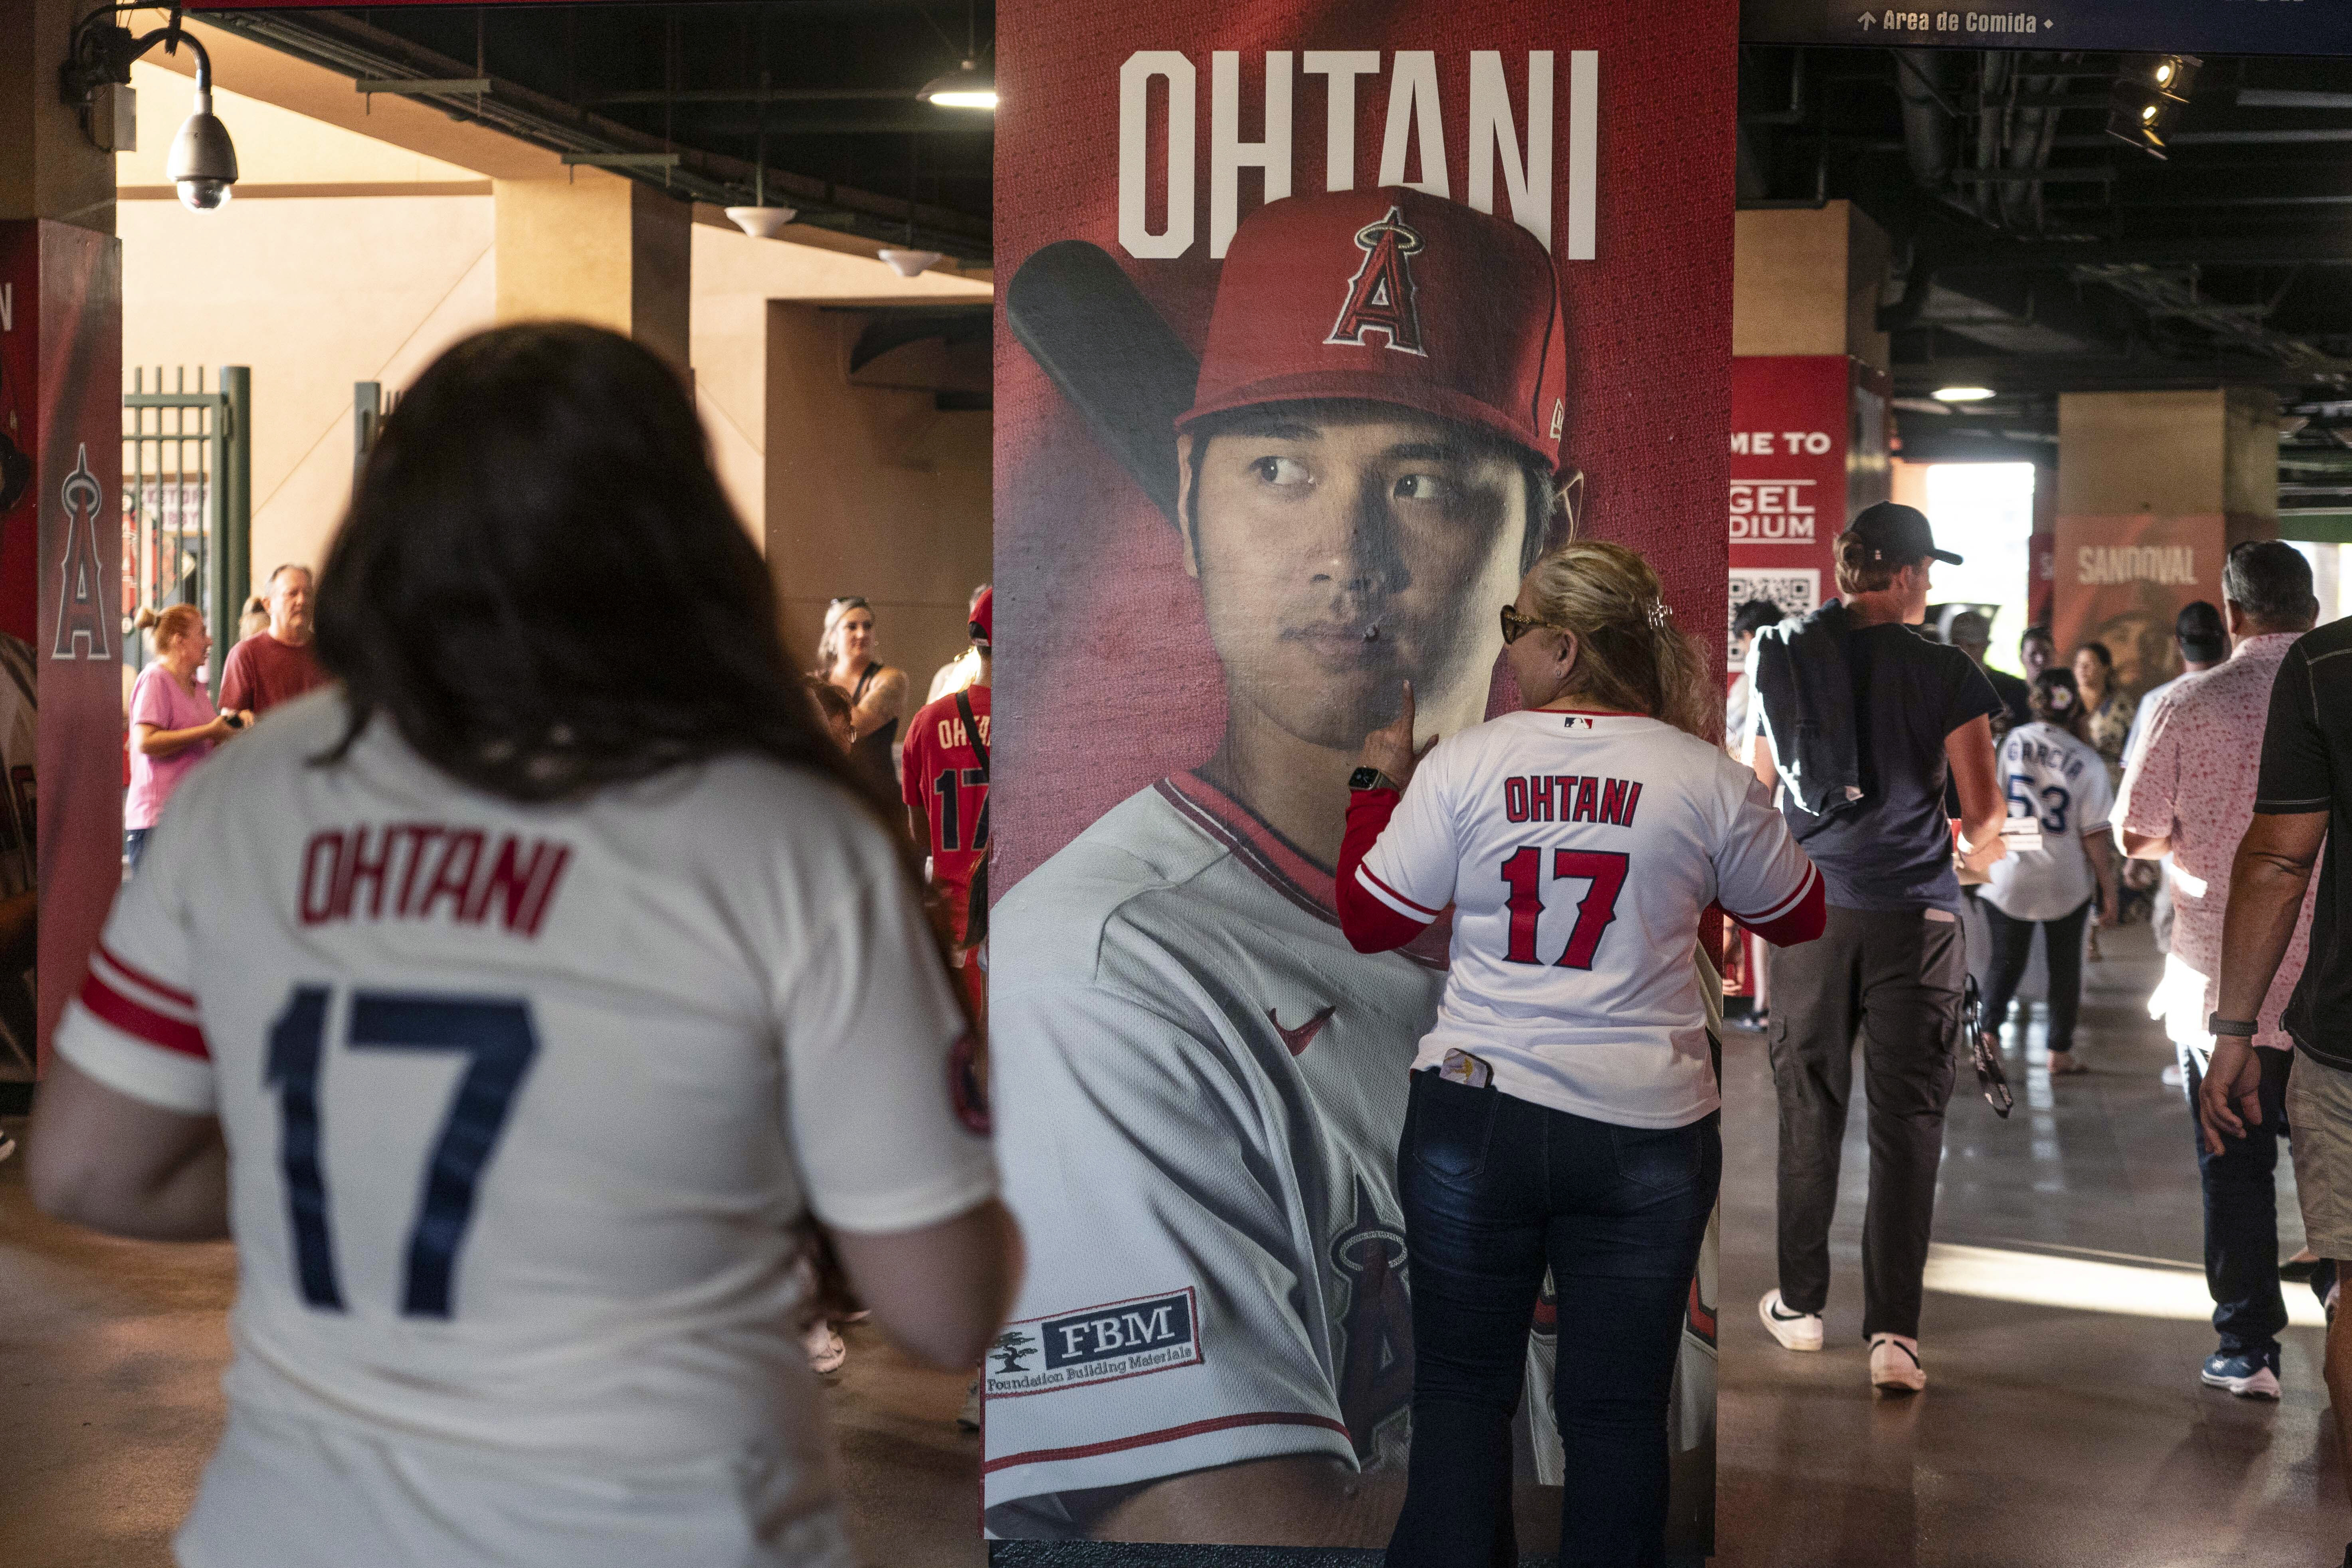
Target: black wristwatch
column 2218, row 1025
column 1372, row 778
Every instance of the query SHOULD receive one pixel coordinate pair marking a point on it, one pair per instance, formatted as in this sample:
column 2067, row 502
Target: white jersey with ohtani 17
column 527, row 1108
column 1578, row 851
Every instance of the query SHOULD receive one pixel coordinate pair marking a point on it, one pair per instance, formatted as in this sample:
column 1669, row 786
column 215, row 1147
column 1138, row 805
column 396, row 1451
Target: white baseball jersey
column 2047, row 773
column 526, row 1105
column 1578, row 852
column 1200, row 1086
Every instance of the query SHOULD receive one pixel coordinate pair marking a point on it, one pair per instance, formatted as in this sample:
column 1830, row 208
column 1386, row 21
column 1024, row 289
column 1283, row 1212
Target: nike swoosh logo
column 1300, row 1039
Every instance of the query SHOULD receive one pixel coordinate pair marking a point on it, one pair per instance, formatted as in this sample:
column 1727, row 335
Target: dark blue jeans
column 2241, row 1214
column 1494, row 1189
column 134, row 844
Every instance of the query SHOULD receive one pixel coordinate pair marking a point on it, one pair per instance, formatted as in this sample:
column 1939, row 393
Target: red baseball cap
column 983, row 615
column 1390, row 295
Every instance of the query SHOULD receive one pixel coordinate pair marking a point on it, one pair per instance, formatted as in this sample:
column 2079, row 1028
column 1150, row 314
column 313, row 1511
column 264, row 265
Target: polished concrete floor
column 2062, row 1425
column 110, row 1355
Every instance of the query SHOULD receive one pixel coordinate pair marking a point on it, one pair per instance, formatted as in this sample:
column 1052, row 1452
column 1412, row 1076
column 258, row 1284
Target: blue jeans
column 134, row 844
column 1494, row 1189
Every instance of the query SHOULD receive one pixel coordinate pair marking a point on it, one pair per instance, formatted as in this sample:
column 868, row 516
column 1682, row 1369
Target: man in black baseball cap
column 1894, row 535
column 1865, row 721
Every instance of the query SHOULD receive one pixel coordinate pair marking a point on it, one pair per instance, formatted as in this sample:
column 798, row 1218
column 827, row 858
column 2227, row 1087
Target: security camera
column 203, row 164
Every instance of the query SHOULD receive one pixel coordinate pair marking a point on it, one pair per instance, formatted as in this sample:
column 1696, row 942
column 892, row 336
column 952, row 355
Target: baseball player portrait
column 1199, row 1083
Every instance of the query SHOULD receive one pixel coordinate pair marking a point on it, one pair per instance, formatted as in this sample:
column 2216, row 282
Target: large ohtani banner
column 1309, row 312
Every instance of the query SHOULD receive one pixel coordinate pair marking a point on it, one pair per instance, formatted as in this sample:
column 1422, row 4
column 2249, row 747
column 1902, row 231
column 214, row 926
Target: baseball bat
column 1095, row 336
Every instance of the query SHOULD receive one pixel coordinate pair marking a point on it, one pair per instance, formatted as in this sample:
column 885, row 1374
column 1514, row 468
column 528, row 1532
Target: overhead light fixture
column 910, row 263
column 762, row 222
column 2147, row 96
column 966, row 87
column 1963, row 394
column 203, row 162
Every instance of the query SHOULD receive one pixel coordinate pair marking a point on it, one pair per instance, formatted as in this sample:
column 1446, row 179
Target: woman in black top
column 876, row 691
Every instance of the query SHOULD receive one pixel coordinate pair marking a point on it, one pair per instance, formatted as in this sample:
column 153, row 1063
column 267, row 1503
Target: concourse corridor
column 2062, row 1424
column 2066, row 1316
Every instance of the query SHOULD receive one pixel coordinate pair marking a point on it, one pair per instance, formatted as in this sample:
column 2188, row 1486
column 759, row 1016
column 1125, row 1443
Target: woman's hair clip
column 1659, row 611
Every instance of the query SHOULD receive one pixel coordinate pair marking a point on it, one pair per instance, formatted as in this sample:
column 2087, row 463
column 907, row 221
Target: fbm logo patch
column 1098, row 1344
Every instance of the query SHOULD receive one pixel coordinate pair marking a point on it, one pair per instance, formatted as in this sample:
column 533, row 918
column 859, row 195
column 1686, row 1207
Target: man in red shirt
column 943, row 772
column 274, row 665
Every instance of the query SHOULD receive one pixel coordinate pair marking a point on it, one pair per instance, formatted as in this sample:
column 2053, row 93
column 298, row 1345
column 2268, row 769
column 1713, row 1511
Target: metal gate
column 187, row 502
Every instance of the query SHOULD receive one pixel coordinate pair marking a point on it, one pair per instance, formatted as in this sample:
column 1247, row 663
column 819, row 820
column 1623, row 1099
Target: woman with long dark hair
column 538, row 1002
column 2051, row 772
column 1564, row 1107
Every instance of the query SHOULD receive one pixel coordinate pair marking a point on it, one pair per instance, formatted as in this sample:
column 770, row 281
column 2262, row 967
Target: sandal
column 2063, row 1065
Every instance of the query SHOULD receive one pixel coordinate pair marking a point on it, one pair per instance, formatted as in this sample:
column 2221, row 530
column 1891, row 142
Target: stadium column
column 2152, row 489
column 1809, row 394
column 60, row 538
column 596, row 247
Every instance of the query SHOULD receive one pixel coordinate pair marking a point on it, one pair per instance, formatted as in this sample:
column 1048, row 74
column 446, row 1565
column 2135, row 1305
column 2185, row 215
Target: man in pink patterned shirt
column 2189, row 793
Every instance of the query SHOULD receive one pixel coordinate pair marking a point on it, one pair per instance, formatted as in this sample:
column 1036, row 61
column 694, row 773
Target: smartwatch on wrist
column 1372, row 778
column 2218, row 1025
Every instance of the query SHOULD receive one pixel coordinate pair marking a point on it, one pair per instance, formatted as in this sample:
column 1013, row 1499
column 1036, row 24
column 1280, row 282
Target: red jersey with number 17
column 942, row 777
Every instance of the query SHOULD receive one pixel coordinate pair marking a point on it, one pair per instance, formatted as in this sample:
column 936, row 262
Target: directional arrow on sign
column 1866, row 19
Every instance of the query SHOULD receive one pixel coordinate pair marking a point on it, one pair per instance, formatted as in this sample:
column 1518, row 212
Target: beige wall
column 1806, row 281
column 344, row 258
column 871, row 490
column 735, row 277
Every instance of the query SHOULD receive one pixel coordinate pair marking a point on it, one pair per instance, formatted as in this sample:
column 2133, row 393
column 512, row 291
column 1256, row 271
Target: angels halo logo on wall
column 1381, row 294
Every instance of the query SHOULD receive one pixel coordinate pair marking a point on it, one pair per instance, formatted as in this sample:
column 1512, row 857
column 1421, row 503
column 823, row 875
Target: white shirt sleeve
column 1412, row 865
column 2094, row 801
column 1172, row 1315
column 871, row 1032
column 1759, row 872
column 136, row 1026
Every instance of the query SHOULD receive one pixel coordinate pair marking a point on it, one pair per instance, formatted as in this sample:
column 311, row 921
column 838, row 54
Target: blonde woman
column 1564, row 1108
column 172, row 724
column 876, row 691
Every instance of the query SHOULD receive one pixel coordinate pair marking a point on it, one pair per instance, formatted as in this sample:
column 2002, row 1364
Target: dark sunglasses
column 1516, row 626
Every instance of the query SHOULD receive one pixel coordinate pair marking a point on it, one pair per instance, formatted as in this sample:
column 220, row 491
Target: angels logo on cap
column 1446, row 311
column 1380, row 296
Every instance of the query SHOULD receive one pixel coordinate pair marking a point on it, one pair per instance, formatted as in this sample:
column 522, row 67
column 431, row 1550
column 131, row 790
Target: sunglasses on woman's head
column 1516, row 626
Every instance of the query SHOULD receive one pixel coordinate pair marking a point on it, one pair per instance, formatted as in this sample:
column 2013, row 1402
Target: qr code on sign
column 1797, row 594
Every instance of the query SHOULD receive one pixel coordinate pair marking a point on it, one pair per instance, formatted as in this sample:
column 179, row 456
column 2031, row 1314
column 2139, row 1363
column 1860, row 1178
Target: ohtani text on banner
column 1412, row 135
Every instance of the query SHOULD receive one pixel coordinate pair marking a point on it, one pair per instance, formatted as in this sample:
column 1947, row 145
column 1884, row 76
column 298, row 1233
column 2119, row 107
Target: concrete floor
column 2062, row 1425
column 110, row 1356
column 2051, row 1434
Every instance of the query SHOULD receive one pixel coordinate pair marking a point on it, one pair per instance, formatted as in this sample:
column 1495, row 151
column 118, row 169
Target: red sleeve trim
column 135, row 1018
column 1369, row 924
column 168, row 993
column 1806, row 921
column 1165, row 1435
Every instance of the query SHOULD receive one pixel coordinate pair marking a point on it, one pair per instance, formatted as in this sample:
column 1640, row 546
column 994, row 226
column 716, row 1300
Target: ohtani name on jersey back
column 412, row 870
column 1571, row 797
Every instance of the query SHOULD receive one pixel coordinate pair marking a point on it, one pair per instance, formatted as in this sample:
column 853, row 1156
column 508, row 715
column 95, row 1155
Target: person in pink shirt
column 2190, row 791
column 172, row 724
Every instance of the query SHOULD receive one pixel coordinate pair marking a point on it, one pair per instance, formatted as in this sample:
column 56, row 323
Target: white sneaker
column 2172, row 1079
column 1894, row 1364
column 1795, row 1331
column 825, row 1350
